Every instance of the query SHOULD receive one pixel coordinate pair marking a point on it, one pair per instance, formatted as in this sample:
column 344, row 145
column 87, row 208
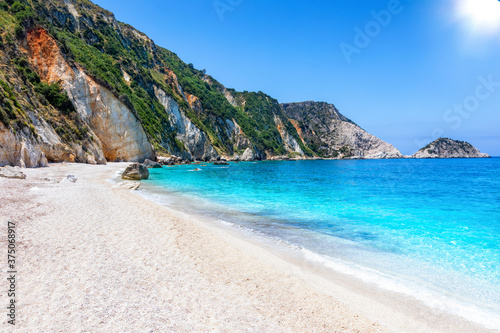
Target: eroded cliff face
column 197, row 145
column 243, row 142
column 239, row 139
column 289, row 142
column 38, row 143
column 117, row 132
column 163, row 101
column 332, row 135
column 56, row 150
column 19, row 150
column 448, row 148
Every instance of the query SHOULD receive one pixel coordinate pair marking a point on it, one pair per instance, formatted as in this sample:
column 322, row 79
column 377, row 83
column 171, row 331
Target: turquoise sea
column 426, row 228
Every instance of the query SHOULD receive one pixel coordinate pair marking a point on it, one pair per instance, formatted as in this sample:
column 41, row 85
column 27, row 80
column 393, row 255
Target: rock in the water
column 135, row 171
column 220, row 163
column 12, row 172
column 151, row 164
column 448, row 148
column 128, row 185
column 71, row 178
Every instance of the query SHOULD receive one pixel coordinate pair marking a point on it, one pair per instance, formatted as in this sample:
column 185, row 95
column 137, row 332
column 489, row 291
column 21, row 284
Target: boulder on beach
column 12, row 172
column 135, row 171
column 151, row 164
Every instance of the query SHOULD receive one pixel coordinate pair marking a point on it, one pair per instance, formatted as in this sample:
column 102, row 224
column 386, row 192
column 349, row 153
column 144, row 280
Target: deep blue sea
column 426, row 228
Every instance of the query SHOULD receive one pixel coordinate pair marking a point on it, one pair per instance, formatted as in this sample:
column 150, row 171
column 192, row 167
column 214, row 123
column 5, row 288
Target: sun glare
column 483, row 15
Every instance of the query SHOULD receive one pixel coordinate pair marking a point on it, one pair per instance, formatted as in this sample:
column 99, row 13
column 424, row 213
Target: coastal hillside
column 328, row 133
column 448, row 148
column 77, row 85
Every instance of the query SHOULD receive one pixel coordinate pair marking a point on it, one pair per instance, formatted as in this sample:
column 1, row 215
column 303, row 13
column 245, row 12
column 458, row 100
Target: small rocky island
column 448, row 148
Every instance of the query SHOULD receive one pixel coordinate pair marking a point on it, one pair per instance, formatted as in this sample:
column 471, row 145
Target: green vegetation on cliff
column 131, row 66
column 107, row 49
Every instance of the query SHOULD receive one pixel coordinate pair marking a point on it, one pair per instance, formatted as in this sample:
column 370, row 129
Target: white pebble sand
column 96, row 258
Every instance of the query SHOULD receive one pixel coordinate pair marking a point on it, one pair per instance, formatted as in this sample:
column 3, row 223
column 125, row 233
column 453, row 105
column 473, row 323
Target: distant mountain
column 77, row 85
column 448, row 148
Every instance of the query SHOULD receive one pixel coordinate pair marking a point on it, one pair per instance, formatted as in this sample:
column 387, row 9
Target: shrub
column 56, row 97
column 19, row 31
column 17, row 7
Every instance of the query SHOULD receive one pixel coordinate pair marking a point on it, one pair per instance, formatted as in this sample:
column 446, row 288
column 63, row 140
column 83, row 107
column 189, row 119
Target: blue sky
column 418, row 72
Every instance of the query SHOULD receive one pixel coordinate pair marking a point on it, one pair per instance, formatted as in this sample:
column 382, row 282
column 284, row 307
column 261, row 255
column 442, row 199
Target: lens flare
column 481, row 15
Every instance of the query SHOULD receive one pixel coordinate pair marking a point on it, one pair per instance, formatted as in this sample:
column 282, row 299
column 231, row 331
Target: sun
column 481, row 15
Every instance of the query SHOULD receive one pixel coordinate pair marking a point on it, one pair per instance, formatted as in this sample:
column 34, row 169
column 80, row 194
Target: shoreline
column 199, row 275
column 437, row 307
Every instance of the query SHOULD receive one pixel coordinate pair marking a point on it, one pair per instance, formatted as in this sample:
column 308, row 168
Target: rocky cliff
column 448, row 148
column 195, row 144
column 327, row 132
column 77, row 85
column 118, row 133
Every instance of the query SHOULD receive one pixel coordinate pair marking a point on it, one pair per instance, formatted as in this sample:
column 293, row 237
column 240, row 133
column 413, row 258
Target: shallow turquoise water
column 430, row 228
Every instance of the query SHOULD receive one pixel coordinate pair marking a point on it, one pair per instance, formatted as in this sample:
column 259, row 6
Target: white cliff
column 289, row 142
column 117, row 130
column 19, row 150
column 196, row 143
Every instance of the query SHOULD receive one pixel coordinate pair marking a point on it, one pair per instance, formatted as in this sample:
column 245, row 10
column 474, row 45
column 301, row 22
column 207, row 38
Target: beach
column 93, row 257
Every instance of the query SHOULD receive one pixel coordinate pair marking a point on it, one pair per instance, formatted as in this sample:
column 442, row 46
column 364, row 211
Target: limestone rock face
column 89, row 51
column 238, row 138
column 20, row 150
column 135, row 171
column 322, row 126
column 289, row 141
column 119, row 133
column 248, row 155
column 56, row 151
column 448, row 148
column 196, row 143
